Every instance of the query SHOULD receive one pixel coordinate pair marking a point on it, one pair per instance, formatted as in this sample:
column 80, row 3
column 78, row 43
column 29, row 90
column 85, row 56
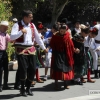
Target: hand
column 42, row 37
column 46, row 50
column 24, row 30
column 49, row 39
column 77, row 50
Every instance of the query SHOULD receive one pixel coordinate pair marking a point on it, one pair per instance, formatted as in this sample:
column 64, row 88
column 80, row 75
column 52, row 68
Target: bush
column 5, row 14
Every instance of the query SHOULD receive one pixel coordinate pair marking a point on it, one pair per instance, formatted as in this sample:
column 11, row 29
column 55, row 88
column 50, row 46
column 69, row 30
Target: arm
column 15, row 33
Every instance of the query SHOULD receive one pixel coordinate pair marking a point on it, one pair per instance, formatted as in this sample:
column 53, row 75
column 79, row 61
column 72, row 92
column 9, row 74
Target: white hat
column 5, row 23
column 83, row 26
column 15, row 19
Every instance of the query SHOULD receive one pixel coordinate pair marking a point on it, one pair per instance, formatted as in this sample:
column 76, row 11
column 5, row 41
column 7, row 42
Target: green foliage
column 5, row 14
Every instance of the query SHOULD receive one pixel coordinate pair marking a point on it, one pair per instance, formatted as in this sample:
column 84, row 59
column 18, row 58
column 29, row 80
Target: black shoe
column 0, row 89
column 5, row 87
column 23, row 92
column 29, row 92
column 79, row 83
column 16, row 87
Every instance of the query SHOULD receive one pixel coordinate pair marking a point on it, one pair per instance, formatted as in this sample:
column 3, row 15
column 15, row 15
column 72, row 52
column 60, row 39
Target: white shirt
column 78, row 31
column 15, row 34
column 89, row 42
column 98, row 36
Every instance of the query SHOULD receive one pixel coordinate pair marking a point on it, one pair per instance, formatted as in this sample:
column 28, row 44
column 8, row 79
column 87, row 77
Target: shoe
column 29, row 92
column 79, row 83
column 23, row 92
column 40, row 81
column 91, row 81
column 16, row 87
column 66, row 87
column 0, row 89
column 5, row 87
column 57, row 88
column 33, row 83
column 45, row 78
column 83, row 81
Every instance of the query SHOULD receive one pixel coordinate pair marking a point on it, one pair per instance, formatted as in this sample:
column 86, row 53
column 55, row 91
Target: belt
column 96, row 41
column 2, row 50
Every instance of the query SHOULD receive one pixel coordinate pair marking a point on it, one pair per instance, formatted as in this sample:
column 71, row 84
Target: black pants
column 27, row 67
column 3, row 66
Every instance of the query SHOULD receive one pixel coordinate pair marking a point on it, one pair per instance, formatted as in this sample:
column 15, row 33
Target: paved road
column 45, row 91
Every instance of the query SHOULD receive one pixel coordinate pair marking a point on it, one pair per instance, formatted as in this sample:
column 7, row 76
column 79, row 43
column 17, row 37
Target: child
column 62, row 57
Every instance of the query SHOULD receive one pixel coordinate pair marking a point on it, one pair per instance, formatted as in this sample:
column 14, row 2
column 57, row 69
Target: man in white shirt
column 24, row 33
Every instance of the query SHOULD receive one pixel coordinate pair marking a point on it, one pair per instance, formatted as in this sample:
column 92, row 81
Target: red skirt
column 62, row 75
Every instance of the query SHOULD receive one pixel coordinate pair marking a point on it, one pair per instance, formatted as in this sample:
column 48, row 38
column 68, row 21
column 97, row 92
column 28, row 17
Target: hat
column 83, row 26
column 15, row 19
column 5, row 23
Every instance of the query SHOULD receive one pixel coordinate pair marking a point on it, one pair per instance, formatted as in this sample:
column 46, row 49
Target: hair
column 94, row 31
column 85, row 30
column 63, row 26
column 56, row 27
column 26, row 13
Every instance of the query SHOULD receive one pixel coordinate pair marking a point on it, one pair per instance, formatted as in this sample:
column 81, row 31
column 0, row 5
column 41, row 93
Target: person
column 62, row 57
column 39, row 60
column 24, row 33
column 47, row 37
column 96, row 52
column 89, row 45
column 4, row 39
column 77, row 28
column 79, row 59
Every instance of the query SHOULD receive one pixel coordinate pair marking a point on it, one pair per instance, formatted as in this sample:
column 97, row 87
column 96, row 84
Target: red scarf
column 63, row 43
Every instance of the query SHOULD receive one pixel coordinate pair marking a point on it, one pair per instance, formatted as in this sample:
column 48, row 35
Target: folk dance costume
column 89, row 44
column 62, row 57
column 26, row 51
column 79, row 59
column 95, row 53
column 39, row 62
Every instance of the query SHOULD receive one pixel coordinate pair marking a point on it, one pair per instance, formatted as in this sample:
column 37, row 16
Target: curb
column 13, row 65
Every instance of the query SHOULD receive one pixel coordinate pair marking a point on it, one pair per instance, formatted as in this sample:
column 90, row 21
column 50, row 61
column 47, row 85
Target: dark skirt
column 60, row 70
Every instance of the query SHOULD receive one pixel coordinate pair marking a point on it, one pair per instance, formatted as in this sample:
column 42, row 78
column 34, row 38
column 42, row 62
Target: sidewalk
column 45, row 91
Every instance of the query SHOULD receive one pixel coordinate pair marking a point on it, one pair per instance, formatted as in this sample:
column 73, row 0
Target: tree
column 5, row 14
column 51, row 10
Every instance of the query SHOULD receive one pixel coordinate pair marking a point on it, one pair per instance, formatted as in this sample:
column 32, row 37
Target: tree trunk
column 57, row 11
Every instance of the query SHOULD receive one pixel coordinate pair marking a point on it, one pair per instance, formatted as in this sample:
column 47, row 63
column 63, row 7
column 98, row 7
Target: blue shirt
column 48, row 34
